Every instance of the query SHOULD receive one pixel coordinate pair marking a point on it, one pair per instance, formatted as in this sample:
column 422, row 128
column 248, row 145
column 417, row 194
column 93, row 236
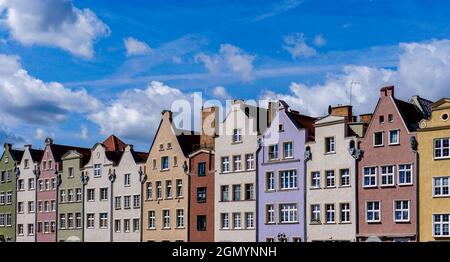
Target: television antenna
column 353, row 82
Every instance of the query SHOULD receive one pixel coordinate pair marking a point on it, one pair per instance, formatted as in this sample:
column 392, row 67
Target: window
column 41, row 185
column 31, row 184
column 103, row 223
column 70, row 222
column 20, row 207
column 288, row 213
column 273, row 152
column 288, row 179
column 237, row 166
column 39, row 227
column 280, row 128
column 287, row 150
column 270, row 214
column 151, row 219
column 161, row 147
column 2, row 198
column 126, row 225
column 315, row 179
column 373, row 212
column 91, row 194
column 71, row 172
column 90, row 218
column 20, row 229
column 2, row 220
column 49, row 164
column 78, row 220
column 329, row 145
column 394, row 137
column 40, row 205
column 70, row 195
column 30, row 206
column 405, row 174
column 165, row 163
column 225, row 164
column 46, row 227
column 44, row 165
column 169, row 145
column 53, row 183
column 236, row 192
column 237, row 135
column 370, row 177
column 127, row 179
column 117, row 225
column 224, row 192
column 47, row 184
column 53, row 205
column 441, row 224
column 329, row 215
column 237, row 220
column 103, row 194
column 78, row 192
column 441, row 186
column 381, row 119
column 378, row 139
column 249, row 192
column 201, row 194
column 26, row 163
column 270, row 181
column 136, row 224
column 345, row 177
column 391, row 118
column 117, row 202
column 20, row 185
column 8, row 220
column 62, row 221
column 387, row 175
column 345, row 213
column 30, row 229
column 270, row 239
column 136, row 201
column 201, row 169
column 175, row 161
column 442, row 148
column 154, row 163
column 46, row 206
column 179, row 188
column 97, row 170
column 315, row 213
column 169, row 191
column 249, row 220
column 126, row 202
column 2, row 176
column 330, row 178
column 180, row 218
column 249, row 162
column 158, row 190
column 401, row 211
column 149, row 190
column 166, row 218
column 225, row 221
column 62, row 196
column 201, row 223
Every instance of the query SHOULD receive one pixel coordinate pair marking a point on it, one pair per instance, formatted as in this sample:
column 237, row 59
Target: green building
column 9, row 172
column 70, row 194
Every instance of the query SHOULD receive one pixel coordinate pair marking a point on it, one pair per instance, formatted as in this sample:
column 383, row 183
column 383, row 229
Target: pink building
column 387, row 179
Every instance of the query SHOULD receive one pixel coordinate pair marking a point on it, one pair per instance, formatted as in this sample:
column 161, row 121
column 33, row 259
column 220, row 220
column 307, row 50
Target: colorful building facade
column 331, row 187
column 165, row 208
column 434, row 156
column 9, row 172
column 387, row 171
column 280, row 176
column 26, row 194
column 70, row 195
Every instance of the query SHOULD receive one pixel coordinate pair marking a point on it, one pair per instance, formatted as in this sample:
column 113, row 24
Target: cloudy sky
column 80, row 70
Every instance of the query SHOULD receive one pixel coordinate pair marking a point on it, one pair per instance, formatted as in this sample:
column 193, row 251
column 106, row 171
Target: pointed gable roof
column 16, row 154
column 59, row 151
column 113, row 143
column 139, row 157
column 302, row 121
column 36, row 154
column 411, row 114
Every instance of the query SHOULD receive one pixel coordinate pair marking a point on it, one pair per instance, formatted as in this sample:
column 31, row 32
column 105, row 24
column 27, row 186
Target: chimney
column 7, row 146
column 27, row 146
column 209, row 128
column 48, row 141
column 365, row 118
column 271, row 111
column 345, row 111
column 387, row 91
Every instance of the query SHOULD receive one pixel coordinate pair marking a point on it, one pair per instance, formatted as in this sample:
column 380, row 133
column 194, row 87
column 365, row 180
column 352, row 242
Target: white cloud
column 33, row 101
column 221, row 92
column 136, row 47
column 422, row 70
column 136, row 113
column 278, row 9
column 296, row 45
column 84, row 132
column 319, row 41
column 39, row 134
column 230, row 59
column 55, row 23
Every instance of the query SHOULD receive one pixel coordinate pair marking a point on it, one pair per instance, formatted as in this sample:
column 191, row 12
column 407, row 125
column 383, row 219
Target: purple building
column 280, row 177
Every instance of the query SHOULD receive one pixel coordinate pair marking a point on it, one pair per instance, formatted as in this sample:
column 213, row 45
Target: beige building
column 235, row 178
column 165, row 205
column 331, row 213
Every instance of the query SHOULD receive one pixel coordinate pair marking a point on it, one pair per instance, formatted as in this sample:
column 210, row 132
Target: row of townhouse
column 258, row 175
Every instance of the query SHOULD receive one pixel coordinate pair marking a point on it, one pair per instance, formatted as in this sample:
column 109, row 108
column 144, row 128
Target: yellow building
column 434, row 177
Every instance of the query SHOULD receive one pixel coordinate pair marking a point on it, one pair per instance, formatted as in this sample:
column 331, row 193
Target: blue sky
column 303, row 51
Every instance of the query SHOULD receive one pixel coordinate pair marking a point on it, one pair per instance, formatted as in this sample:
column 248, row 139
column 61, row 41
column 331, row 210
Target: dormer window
column 237, row 135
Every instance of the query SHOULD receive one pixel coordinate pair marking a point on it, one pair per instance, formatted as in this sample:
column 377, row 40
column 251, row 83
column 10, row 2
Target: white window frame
column 441, row 186
column 374, row 212
column 237, row 163
column 344, row 176
column 329, row 178
column 151, row 219
column 274, row 154
column 370, row 176
column 315, row 179
column 441, row 223
column 180, row 218
column 250, row 162
column 288, row 213
column 441, row 148
column 382, row 139
column 270, row 214
column 402, row 209
column 290, row 151
column 237, row 135
column 225, row 221
column 387, row 175
column 97, row 170
column 345, row 213
column 127, row 180
column 237, row 220
column 330, row 212
column 330, row 145
column 289, row 176
column 166, row 218
column 315, row 213
column 411, row 170
column 225, row 164
column 270, row 181
column 398, row 137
